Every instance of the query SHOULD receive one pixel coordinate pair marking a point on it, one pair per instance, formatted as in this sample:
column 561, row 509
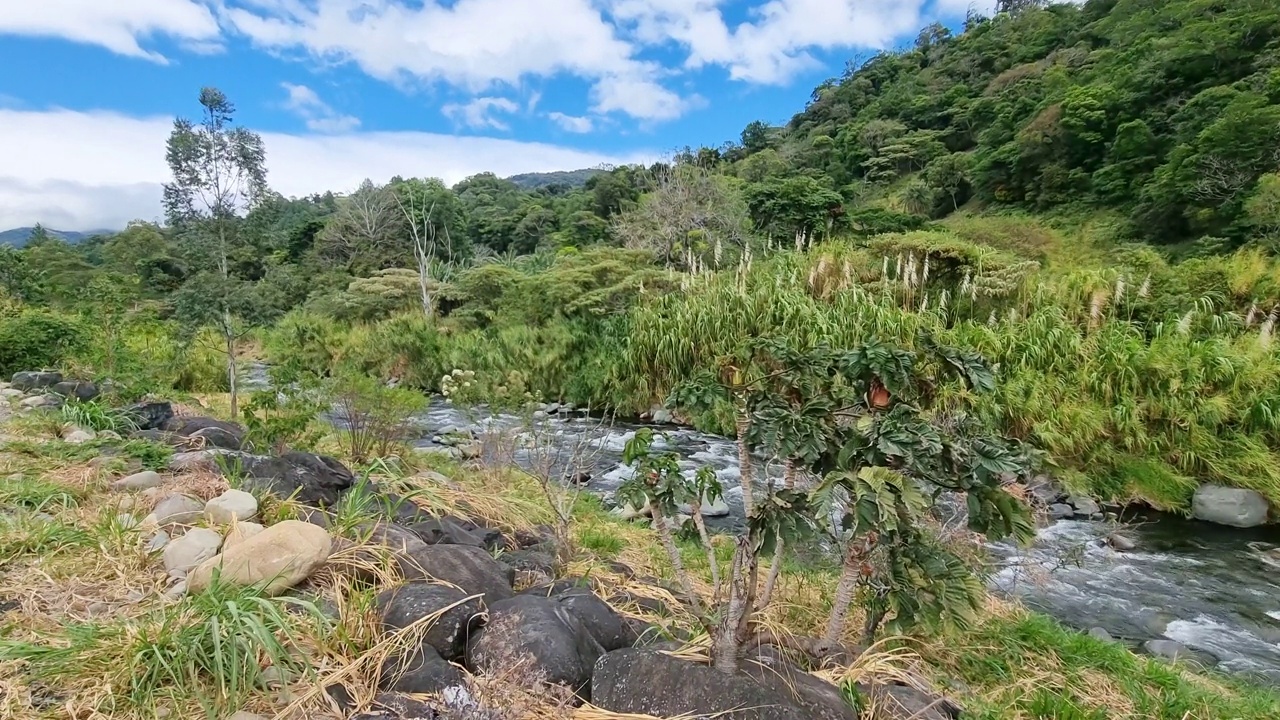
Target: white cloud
column 572, row 123
column 477, row 45
column 117, row 25
column 480, row 112
column 318, row 115
column 90, row 170
column 776, row 41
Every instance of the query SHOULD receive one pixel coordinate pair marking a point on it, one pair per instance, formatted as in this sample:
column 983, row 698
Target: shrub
column 375, row 420
column 34, row 339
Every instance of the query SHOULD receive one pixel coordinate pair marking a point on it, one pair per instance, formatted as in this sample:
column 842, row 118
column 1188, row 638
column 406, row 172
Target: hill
column 572, row 178
column 18, row 237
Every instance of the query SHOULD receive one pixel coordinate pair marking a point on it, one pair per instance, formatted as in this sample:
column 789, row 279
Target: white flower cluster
column 455, row 381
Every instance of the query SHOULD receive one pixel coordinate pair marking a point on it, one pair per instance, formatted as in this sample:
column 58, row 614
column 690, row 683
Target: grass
column 93, row 636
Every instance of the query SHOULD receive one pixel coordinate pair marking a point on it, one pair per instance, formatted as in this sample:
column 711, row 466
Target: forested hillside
column 1087, row 193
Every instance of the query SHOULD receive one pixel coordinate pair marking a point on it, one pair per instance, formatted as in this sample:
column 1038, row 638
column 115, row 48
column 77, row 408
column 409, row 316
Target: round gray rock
column 185, row 553
column 1236, row 507
column 182, row 509
column 231, row 506
column 139, row 481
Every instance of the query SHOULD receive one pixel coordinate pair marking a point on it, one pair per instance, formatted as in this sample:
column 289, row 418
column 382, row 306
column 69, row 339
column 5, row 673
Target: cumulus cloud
column 317, row 114
column 572, row 123
column 92, row 170
column 481, row 112
column 117, row 25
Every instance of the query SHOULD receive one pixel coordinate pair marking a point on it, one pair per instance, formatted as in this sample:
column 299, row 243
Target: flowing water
column 1213, row 589
column 1205, row 586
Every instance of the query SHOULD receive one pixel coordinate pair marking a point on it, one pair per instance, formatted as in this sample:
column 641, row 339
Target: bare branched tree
column 368, row 223
column 431, row 245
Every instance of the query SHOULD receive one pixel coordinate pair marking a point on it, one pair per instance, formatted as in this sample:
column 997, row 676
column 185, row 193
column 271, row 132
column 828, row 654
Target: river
column 1199, row 584
column 1196, row 583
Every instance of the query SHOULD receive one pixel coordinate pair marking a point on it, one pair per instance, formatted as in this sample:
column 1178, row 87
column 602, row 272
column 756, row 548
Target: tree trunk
column 844, row 598
column 231, row 365
column 711, row 551
column 673, row 554
column 731, row 634
column 775, row 570
column 746, row 471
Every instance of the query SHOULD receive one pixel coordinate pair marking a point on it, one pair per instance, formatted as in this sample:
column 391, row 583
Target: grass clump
column 96, row 416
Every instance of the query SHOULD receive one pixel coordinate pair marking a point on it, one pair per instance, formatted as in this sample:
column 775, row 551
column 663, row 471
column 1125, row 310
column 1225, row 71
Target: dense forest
column 1087, row 194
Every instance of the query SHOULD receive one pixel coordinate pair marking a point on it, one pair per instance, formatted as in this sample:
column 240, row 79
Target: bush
column 35, row 339
column 376, row 419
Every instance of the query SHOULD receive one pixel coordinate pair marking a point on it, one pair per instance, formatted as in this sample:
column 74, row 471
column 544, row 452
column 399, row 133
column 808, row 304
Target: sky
column 343, row 90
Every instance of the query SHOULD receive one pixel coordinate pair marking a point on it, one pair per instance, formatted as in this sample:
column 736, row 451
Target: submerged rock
column 1237, row 507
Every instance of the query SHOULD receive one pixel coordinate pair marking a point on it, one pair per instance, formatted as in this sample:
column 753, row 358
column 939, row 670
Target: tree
column 219, row 171
column 794, row 208
column 429, row 209
column 366, row 231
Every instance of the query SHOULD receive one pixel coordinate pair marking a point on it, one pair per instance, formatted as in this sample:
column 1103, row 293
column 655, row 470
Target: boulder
column 606, row 626
column 180, row 509
column 1099, row 633
column 311, row 479
column 1236, row 507
column 149, row 415
column 399, row 706
column 624, row 681
column 158, row 542
column 398, row 539
column 444, row 531
column 403, row 605
column 239, row 532
column 138, row 481
column 206, row 432
column 80, row 390
column 78, row 436
column 421, row 671
column 719, row 508
column 231, row 506
column 900, row 701
column 1121, row 543
column 539, row 636
column 185, row 553
column 11, row 393
column 471, row 569
column 471, row 450
column 1061, row 511
column 1045, row 490
column 1171, row 650
column 278, row 558
column 36, row 402
column 1084, row 505
column 28, row 381
column 769, row 667
column 536, row 562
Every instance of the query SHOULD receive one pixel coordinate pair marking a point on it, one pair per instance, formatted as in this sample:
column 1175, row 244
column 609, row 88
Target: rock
column 624, row 682
column 398, row 706
column 552, row 643
column 149, row 415
column 197, row 461
column 769, row 667
column 231, row 506
column 139, row 481
column 205, row 432
column 900, row 701
column 11, row 393
column 447, row 453
column 239, row 532
column 444, row 530
column 1236, row 507
column 158, row 542
column 539, row 415
column 1121, row 543
column 1098, row 633
column 469, row 568
column 471, row 451
column 36, row 402
column 719, row 508
column 188, row 551
column 1171, row 650
column 606, row 626
column 579, row 478
column 316, row 480
column 1061, row 511
column 541, row 564
column 401, row 606
column 28, row 381
column 244, row 715
column 80, row 390
column 177, row 591
column 126, row 521
column 1045, row 490
column 281, row 556
column 421, row 671
column 1084, row 505
column 179, row 509
column 398, row 539
column 79, row 437
column 109, row 435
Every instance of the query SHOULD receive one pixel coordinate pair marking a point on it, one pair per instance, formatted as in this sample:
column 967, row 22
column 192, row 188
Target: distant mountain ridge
column 572, row 178
column 17, row 237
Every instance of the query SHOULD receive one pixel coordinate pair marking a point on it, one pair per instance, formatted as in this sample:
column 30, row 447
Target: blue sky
column 347, row 89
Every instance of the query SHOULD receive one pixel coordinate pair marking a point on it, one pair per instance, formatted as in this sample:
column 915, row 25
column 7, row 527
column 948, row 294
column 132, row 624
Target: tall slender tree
column 219, row 172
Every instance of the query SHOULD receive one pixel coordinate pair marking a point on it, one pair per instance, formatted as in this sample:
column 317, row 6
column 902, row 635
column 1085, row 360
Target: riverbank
column 71, row 565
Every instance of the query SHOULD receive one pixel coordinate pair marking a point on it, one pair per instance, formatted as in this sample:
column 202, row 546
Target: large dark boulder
column 470, row 568
column 421, row 671
column 28, row 381
column 901, row 701
column 769, row 667
column 149, row 415
column 78, row 389
column 399, row 706
column 538, row 636
column 403, row 605
column 644, row 681
column 605, row 625
column 445, row 531
column 206, row 432
column 316, row 480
